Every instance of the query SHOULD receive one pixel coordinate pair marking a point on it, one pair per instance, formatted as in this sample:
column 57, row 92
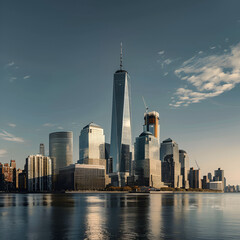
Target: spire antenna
column 121, row 56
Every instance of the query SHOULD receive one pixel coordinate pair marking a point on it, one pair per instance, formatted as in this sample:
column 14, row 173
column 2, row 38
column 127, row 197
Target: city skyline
column 45, row 87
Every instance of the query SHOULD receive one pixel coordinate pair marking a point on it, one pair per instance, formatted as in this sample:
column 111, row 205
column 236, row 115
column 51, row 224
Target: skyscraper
column 60, row 150
column 39, row 173
column 41, row 149
column 184, row 161
column 151, row 123
column 121, row 137
column 171, row 167
column 147, row 162
column 92, row 145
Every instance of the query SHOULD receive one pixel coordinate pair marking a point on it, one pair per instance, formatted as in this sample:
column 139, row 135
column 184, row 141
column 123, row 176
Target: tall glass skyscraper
column 121, row 137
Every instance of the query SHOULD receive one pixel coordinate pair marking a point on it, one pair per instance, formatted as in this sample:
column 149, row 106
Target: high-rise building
column 121, row 137
column 41, row 149
column 184, row 161
column 171, row 167
column 219, row 176
column 210, row 177
column 151, row 123
column 205, row 182
column 92, row 145
column 195, row 178
column 147, row 161
column 61, row 149
column 39, row 173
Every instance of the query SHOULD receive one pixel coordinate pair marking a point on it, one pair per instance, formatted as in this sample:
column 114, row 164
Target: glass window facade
column 91, row 143
column 121, row 137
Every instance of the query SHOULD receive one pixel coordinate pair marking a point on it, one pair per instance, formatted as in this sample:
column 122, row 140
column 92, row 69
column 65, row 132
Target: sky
column 57, row 60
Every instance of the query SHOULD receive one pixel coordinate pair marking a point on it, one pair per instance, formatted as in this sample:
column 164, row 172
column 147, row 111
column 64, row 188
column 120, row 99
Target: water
column 119, row 216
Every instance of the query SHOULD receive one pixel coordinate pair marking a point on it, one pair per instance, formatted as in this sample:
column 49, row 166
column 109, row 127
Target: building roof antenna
column 121, row 56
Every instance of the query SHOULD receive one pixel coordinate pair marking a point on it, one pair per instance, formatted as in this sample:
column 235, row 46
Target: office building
column 195, row 178
column 184, row 161
column 92, row 145
column 171, row 167
column 219, row 176
column 216, row 185
column 210, row 177
column 147, row 161
column 205, row 182
column 39, row 173
column 60, row 151
column 82, row 177
column 151, row 123
column 42, row 149
column 121, row 137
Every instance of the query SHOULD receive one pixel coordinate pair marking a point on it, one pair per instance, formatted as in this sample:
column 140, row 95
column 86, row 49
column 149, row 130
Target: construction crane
column 197, row 164
column 145, row 104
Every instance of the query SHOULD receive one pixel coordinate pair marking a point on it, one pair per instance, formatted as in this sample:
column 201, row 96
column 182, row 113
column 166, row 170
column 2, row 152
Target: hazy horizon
column 58, row 59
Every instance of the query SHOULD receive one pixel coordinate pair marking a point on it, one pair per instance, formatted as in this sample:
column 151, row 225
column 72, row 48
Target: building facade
column 60, row 151
column 38, row 173
column 195, row 178
column 147, row 162
column 82, row 177
column 91, row 143
column 171, row 167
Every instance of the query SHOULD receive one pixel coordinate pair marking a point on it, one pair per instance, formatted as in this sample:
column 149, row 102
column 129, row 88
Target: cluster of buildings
column 146, row 162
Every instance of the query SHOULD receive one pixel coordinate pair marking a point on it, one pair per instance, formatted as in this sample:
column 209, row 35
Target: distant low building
column 216, row 185
column 82, row 177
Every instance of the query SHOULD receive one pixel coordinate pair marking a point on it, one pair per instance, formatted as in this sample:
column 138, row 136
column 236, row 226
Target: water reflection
column 119, row 216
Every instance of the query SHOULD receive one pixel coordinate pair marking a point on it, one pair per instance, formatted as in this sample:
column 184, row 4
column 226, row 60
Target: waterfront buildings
column 195, row 178
column 151, row 123
column 8, row 176
column 60, row 151
column 92, row 145
column 42, row 149
column 39, row 173
column 121, row 137
column 205, row 182
column 184, row 161
column 171, row 167
column 82, row 177
column 147, row 163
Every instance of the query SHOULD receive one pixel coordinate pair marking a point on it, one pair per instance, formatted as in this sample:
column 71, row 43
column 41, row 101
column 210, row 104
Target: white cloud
column 208, row 76
column 12, row 79
column 48, row 125
column 60, row 128
column 2, row 152
column 200, row 52
column 10, row 137
column 12, row 125
column 212, row 47
column 10, row 64
column 161, row 52
column 165, row 74
column 26, row 77
column 167, row 61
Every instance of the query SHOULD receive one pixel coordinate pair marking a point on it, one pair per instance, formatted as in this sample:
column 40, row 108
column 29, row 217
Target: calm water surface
column 119, row 216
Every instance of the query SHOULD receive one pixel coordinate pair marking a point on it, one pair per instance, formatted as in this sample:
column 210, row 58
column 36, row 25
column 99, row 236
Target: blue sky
column 58, row 58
